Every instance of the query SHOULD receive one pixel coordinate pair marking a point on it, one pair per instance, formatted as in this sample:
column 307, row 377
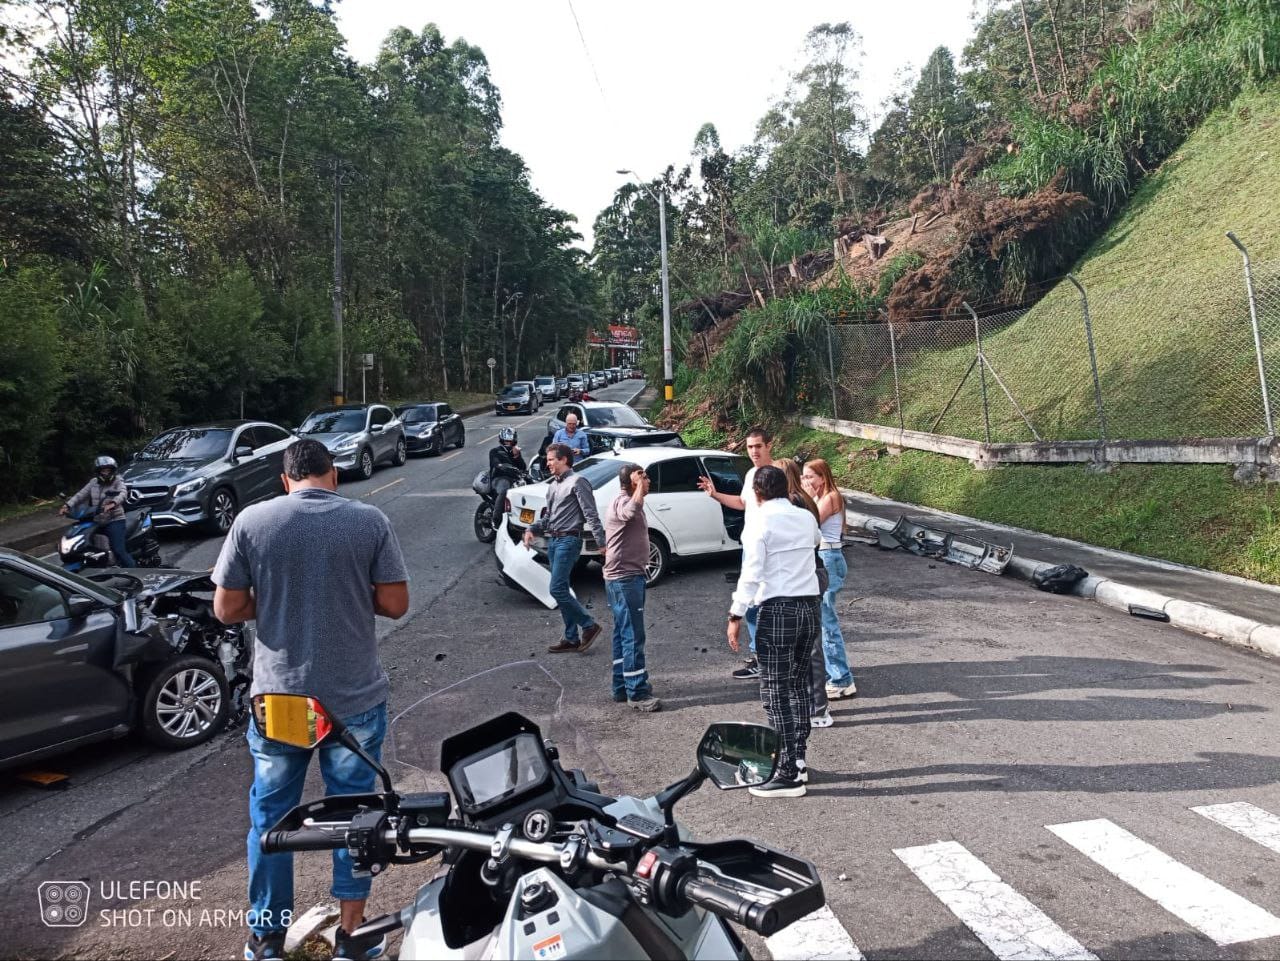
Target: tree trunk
column 1031, row 52
column 1057, row 42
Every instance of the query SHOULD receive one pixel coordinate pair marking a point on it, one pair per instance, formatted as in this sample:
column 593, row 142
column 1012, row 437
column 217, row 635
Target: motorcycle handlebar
column 302, row 839
column 546, row 851
column 730, row 905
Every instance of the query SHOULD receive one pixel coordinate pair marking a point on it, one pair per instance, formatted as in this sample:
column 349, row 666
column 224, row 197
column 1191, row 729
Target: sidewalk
column 32, row 531
column 1220, row 605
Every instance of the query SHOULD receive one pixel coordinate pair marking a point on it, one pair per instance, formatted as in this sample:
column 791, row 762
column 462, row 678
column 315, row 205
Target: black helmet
column 507, row 435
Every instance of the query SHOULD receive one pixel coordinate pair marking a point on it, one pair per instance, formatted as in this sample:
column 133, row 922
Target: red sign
column 620, row 336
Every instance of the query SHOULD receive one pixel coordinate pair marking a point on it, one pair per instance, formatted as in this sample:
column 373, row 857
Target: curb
column 29, row 542
column 1192, row 616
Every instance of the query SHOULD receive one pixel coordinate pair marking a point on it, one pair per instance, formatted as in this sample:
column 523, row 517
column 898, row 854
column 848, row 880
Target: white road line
column 459, row 492
column 377, row 490
column 1011, row 927
column 1244, row 818
column 1206, row 905
column 816, row 937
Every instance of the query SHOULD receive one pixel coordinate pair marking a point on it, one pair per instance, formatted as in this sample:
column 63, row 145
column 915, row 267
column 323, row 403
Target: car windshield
column 188, row 444
column 419, row 415
column 599, row 470
column 658, row 438
column 333, row 422
column 544, row 380
column 619, row 416
column 515, row 391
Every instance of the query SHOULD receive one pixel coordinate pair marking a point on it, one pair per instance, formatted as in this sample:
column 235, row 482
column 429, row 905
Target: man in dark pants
column 313, row 568
column 571, row 506
column 627, row 533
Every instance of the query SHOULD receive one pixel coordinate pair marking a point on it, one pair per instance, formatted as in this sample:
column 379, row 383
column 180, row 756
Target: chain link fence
column 1157, row 368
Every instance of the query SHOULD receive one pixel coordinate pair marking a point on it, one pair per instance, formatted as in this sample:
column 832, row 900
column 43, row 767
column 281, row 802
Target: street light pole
column 668, row 360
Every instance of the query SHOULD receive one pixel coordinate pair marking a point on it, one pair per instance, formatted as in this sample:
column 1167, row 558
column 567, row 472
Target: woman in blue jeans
column 821, row 486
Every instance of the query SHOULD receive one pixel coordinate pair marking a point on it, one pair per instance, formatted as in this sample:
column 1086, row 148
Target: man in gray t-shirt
column 313, row 568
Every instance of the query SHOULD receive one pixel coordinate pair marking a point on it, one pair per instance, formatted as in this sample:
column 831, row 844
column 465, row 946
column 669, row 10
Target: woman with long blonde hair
column 820, row 484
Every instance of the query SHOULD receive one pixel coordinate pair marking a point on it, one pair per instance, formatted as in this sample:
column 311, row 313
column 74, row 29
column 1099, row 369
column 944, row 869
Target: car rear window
column 620, row 416
column 727, row 473
column 599, row 470
column 658, row 438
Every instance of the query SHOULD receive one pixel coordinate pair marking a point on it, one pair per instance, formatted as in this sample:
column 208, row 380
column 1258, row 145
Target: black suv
column 202, row 476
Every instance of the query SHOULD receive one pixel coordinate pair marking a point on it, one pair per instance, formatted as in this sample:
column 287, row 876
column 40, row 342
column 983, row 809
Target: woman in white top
column 821, row 485
column 779, row 576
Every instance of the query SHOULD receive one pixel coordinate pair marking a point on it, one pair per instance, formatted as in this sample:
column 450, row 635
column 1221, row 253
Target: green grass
column 1167, row 299
column 1190, row 514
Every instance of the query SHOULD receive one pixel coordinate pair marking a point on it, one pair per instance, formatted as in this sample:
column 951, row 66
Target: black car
column 516, row 399
column 84, row 660
column 203, row 476
column 430, row 427
column 620, row 438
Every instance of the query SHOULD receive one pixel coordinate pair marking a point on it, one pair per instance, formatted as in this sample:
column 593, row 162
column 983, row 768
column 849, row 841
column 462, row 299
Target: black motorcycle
column 483, row 485
column 83, row 543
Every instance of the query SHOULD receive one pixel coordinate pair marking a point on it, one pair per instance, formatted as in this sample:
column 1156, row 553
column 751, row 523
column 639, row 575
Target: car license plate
column 526, row 516
column 511, row 407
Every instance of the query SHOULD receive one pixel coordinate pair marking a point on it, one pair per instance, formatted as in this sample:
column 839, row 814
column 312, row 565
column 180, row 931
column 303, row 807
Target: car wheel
column 462, row 437
column 437, row 446
column 184, row 702
column 659, row 561
column 483, row 523
column 365, row 470
column 402, row 453
column 222, row 510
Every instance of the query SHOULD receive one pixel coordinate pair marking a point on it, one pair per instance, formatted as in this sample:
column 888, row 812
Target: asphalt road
column 1019, row 777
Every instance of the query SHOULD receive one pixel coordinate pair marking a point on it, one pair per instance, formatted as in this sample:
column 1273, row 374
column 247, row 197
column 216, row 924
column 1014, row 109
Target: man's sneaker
column 802, row 772
column 347, row 948
column 271, row 946
column 822, row 720
column 619, row 697
column 779, row 787
column 589, row 634
column 750, row 672
column 564, row 647
column 647, row 704
column 835, row 691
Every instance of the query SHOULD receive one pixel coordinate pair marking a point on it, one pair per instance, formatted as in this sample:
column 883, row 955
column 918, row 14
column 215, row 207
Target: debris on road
column 946, row 546
column 1059, row 579
column 1150, row 613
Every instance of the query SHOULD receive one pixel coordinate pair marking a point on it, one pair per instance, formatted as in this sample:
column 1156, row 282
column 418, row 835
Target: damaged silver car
column 84, row 659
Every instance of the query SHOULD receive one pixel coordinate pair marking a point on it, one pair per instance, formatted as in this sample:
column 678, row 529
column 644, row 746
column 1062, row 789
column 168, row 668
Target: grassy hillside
column 1167, row 299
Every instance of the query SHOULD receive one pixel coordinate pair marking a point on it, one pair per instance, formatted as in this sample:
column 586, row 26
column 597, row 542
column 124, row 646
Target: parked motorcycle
column 537, row 862
column 483, row 521
column 83, row 543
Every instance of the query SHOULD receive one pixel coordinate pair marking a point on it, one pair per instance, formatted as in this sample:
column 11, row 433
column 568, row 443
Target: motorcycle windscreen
column 521, row 567
column 455, row 705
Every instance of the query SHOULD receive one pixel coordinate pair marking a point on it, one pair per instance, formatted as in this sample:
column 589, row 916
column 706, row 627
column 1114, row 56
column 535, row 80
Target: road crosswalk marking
column 815, row 937
column 1207, row 906
column 1011, row 927
column 1247, row 819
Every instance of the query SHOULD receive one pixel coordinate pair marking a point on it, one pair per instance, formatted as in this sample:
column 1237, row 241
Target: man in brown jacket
column 626, row 557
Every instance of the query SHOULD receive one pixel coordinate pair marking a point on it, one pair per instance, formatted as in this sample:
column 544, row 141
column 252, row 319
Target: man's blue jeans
column 116, row 537
column 279, row 773
column 838, row 673
column 752, row 617
column 626, row 600
column 563, row 553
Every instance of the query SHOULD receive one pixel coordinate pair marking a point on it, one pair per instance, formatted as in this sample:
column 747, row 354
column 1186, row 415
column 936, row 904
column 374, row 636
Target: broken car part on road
column 945, row 545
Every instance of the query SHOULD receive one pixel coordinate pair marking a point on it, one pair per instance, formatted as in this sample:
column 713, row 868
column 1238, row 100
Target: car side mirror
column 81, row 606
column 375, row 429
column 244, row 450
column 735, row 754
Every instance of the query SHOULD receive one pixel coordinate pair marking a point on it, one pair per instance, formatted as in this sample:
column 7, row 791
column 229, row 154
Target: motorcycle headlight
column 70, row 545
column 190, row 487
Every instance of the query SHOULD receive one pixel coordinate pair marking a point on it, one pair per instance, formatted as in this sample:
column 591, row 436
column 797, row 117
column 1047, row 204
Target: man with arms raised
column 313, row 568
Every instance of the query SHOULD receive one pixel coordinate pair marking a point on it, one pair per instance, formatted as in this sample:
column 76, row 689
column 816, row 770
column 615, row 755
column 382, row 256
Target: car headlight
column 346, row 446
column 190, row 487
column 426, row 429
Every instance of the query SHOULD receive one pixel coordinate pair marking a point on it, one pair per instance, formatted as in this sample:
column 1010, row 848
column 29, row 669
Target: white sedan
column 683, row 521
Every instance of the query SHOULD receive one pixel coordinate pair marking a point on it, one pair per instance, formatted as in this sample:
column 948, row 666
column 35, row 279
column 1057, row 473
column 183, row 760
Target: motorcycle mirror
column 293, row 719
column 735, row 754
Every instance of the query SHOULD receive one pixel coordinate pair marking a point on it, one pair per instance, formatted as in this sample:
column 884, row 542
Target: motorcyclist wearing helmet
column 506, row 464
column 105, row 494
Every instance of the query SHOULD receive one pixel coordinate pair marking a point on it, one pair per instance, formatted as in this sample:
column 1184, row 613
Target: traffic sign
column 492, row 362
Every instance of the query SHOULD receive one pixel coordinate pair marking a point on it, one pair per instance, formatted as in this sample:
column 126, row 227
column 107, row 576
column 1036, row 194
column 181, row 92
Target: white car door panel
column 691, row 518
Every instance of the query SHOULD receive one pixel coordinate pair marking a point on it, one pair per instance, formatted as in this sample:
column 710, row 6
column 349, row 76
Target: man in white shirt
column 760, row 451
column 780, row 578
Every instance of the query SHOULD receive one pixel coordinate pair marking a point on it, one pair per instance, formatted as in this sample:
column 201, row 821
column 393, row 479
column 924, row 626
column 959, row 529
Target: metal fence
column 1109, row 356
